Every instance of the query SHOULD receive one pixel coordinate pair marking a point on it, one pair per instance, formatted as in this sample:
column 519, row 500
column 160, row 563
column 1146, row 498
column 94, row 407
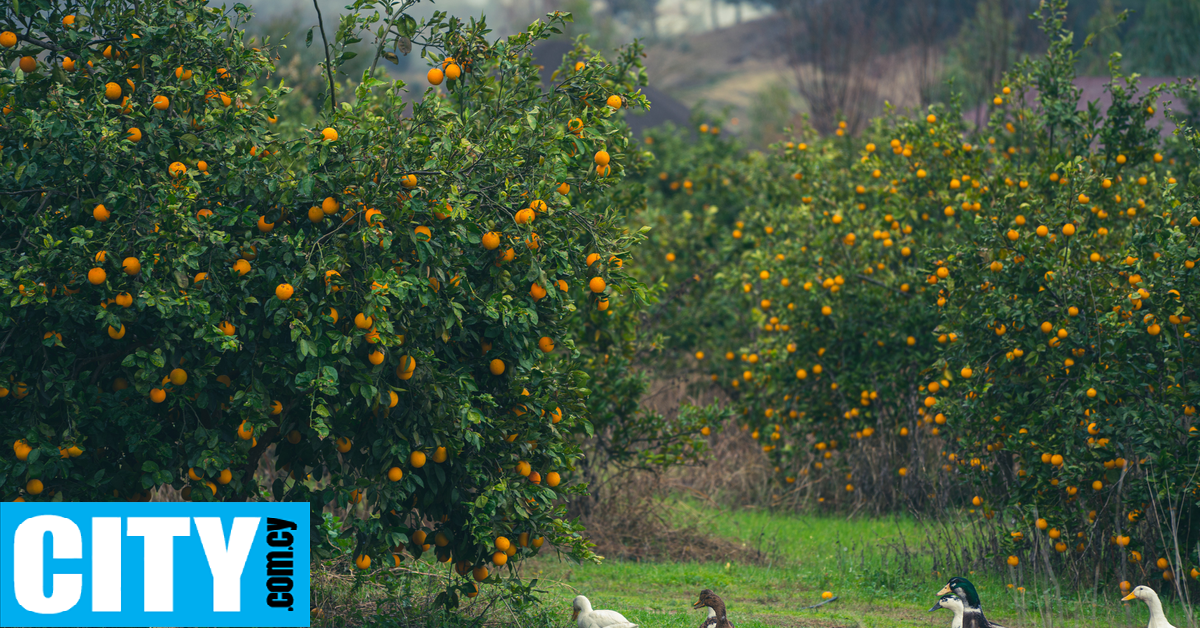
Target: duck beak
column 698, row 604
column 936, row 606
column 1131, row 596
column 575, row 614
column 944, row 591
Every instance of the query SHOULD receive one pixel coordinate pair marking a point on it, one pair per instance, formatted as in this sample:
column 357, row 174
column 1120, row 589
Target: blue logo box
column 154, row 564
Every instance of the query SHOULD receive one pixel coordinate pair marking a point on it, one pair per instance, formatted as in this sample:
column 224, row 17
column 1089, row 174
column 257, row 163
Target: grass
column 858, row 560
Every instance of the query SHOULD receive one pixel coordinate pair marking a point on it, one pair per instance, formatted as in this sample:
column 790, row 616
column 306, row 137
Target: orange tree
column 935, row 316
column 374, row 299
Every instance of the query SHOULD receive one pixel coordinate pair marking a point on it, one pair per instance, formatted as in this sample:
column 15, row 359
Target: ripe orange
column 491, row 240
column 178, row 377
column 245, row 432
column 546, row 344
column 157, row 395
column 132, row 266
column 116, row 334
column 422, row 233
column 614, row 101
column 264, row 226
column 499, row 558
column 227, row 328
column 537, row 292
column 601, row 158
column 408, row 365
column 112, row 91
column 416, row 459
column 97, row 276
column 161, row 102
column 597, row 284
column 362, row 321
column 284, row 291
column 329, row 134
column 68, row 64
column 453, row 71
column 34, row 487
column 435, row 76
column 8, row 39
column 524, row 216
column 363, row 562
column 28, row 64
column 343, row 444
column 553, row 479
column 100, row 212
column 496, row 366
column 375, row 357
column 177, row 168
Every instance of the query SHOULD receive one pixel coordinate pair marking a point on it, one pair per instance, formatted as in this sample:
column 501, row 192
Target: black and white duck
column 972, row 611
column 954, row 605
column 1157, row 618
column 716, row 610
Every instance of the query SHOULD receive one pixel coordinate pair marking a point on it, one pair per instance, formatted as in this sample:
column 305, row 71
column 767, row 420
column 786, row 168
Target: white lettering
column 226, row 564
column 106, row 564
column 29, row 570
column 159, row 567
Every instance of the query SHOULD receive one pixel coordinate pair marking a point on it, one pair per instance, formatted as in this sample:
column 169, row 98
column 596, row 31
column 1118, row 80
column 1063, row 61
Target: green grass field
column 849, row 558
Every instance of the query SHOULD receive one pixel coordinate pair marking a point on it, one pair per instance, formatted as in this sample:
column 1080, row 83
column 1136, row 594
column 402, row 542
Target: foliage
column 925, row 317
column 365, row 295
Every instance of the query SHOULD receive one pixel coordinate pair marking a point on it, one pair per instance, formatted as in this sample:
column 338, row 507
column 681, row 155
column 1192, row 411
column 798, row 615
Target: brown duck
column 716, row 610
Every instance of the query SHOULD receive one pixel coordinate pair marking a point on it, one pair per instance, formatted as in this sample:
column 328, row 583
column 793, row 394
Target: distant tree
column 1164, row 39
column 987, row 44
column 1104, row 38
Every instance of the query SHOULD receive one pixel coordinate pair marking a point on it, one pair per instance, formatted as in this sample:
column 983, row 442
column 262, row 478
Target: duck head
column 1140, row 592
column 580, row 605
column 947, row 601
column 709, row 599
column 963, row 589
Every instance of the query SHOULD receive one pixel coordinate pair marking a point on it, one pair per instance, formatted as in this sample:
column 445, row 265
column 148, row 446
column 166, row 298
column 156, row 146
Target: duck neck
column 957, row 622
column 1157, row 617
column 718, row 608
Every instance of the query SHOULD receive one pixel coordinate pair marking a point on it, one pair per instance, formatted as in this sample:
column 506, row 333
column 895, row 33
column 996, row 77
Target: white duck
column 955, row 606
column 1147, row 595
column 585, row 617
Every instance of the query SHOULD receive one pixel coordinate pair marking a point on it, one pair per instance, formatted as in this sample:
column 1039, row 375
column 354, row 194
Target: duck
column 1147, row 595
column 972, row 612
column 716, row 610
column 585, row 617
column 955, row 606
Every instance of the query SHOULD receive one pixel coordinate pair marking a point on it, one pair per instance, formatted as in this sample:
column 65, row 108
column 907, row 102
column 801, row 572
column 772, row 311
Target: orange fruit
column 553, row 479
column 28, row 64
column 363, row 562
column 362, row 321
column 435, row 76
column 157, row 395
column 68, row 64
column 597, row 284
column 395, row 474
column 178, row 377
column 439, row 455
column 329, row 134
column 453, row 71
column 525, row 216
column 344, row 444
column 537, row 292
column 97, row 276
column 546, row 344
column 496, row 366
column 375, row 357
column 34, row 487
column 601, row 158
column 417, row 459
column 116, row 334
column 264, row 226
column 177, row 168
column 499, row 558
column 284, row 291
column 100, row 212
column 112, row 91
column 132, row 266
column 245, row 432
column 491, row 240
column 227, row 328
column 614, row 101
column 8, row 39
column 408, row 365
column 161, row 102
